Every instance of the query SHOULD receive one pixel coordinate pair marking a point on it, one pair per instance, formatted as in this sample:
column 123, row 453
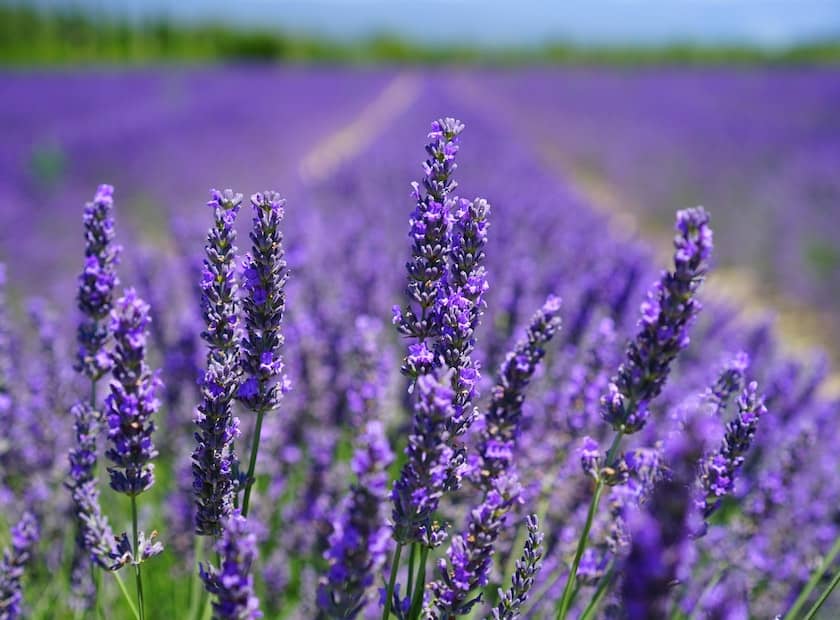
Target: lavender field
column 540, row 382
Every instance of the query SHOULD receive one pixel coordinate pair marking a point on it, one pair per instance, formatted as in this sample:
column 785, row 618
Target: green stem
column 252, row 465
column 823, row 597
column 195, row 582
column 568, row 590
column 389, row 593
column 137, row 575
column 126, row 595
column 97, row 586
column 420, row 586
column 816, row 576
column 411, row 558
column 600, row 592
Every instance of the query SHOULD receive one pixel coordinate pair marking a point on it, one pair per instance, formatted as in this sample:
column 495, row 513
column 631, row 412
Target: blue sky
column 516, row 22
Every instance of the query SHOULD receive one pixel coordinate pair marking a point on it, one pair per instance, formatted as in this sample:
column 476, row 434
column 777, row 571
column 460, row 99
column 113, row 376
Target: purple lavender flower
column 94, row 534
column 424, row 476
column 471, row 554
column 265, row 280
column 133, row 399
column 527, row 567
column 265, row 276
column 461, row 308
column 504, row 414
column 232, row 583
column 358, row 541
column 214, row 460
column 97, row 283
column 431, row 228
column 667, row 316
column 717, row 470
column 25, row 536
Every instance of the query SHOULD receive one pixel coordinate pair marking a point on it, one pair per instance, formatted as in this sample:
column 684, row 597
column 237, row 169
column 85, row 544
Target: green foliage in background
column 31, row 37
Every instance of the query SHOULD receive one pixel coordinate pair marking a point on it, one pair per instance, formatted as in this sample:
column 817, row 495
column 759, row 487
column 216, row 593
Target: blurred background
column 638, row 107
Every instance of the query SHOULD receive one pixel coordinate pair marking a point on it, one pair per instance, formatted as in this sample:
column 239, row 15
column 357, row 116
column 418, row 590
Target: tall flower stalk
column 527, row 568
column 667, row 315
column 129, row 409
column 471, row 552
column 214, row 459
column 429, row 471
column 95, row 299
column 264, row 306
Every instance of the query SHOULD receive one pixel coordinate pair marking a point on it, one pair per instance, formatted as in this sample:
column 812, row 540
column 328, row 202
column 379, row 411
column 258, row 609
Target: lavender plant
column 265, row 280
column 129, row 409
column 527, row 567
column 667, row 315
column 214, row 459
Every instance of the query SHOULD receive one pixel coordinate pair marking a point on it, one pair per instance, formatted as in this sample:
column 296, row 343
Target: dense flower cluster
column 503, row 418
column 97, row 283
column 232, row 582
column 431, row 228
column 265, row 278
column 133, row 399
column 214, row 461
column 717, row 470
column 667, row 315
column 424, row 477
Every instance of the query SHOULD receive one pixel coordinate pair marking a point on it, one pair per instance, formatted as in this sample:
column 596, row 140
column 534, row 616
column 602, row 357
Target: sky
column 770, row 23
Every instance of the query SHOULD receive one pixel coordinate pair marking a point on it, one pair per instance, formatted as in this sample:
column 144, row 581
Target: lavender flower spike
column 358, row 541
column 667, row 316
column 423, row 479
column 25, row 536
column 96, row 283
column 94, row 534
column 232, row 583
column 431, row 226
column 213, row 459
column 265, row 279
column 505, row 411
column 717, row 471
column 133, row 399
column 461, row 308
column 470, row 555
column 527, row 567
